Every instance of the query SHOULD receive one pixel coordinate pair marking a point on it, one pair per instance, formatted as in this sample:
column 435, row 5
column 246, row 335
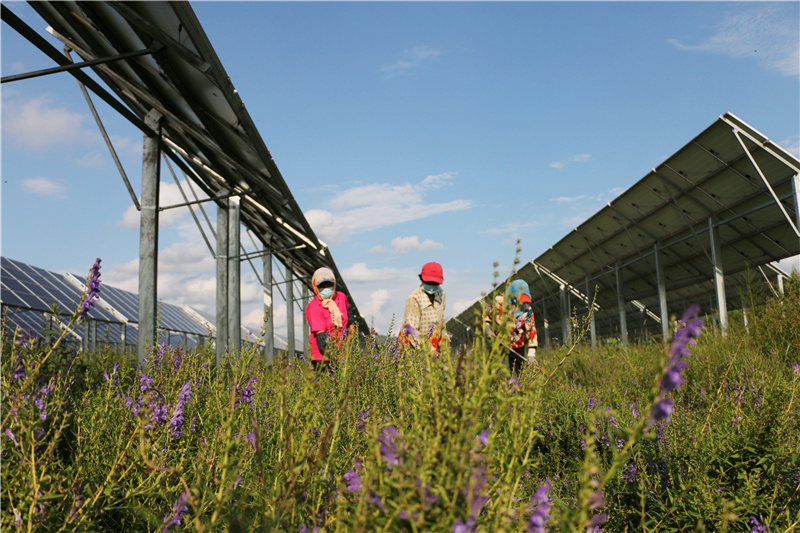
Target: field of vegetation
column 700, row 435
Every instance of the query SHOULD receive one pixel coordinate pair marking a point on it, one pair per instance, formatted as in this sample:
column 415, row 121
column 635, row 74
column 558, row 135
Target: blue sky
column 407, row 132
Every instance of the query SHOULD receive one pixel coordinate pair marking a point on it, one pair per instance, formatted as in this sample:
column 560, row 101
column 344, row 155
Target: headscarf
column 326, row 274
column 519, row 293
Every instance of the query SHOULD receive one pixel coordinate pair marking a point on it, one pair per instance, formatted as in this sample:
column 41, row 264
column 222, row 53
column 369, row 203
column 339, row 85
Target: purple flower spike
column 540, row 505
column 758, row 526
column 92, row 291
column 796, row 368
column 8, row 433
column 388, row 448
column 409, row 330
column 353, row 481
column 178, row 510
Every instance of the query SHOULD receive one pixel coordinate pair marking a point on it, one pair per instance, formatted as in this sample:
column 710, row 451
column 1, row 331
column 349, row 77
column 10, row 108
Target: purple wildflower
column 630, row 477
column 796, row 368
column 540, row 505
column 595, row 523
column 92, row 291
column 374, row 499
column 361, row 423
column 353, row 481
column 483, row 437
column 596, row 500
column 8, row 433
column 145, row 382
column 178, row 510
column 758, row 526
column 176, row 422
column 251, row 438
column 464, row 527
column 237, row 482
column 19, row 372
column 689, row 328
column 409, row 330
column 78, row 503
column 388, row 448
column 247, row 393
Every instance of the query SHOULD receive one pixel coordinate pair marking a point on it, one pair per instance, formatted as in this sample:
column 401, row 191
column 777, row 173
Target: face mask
column 326, row 293
column 430, row 289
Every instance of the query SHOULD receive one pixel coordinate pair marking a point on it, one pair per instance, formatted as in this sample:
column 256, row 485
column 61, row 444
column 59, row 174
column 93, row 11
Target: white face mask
column 326, row 293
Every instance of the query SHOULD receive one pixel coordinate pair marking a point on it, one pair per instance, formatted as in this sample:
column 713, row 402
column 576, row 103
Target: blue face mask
column 326, row 293
column 430, row 289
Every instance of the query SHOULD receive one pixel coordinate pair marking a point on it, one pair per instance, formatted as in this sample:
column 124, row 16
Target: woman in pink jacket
column 328, row 316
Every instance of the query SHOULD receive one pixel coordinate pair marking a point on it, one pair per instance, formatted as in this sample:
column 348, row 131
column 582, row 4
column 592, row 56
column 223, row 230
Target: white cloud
column 91, row 160
column 579, row 158
column 568, row 199
column 360, row 272
column 410, row 60
column 168, row 194
column 368, row 207
column 792, row 145
column 766, row 33
column 37, row 123
column 43, row 187
column 373, row 308
column 402, row 245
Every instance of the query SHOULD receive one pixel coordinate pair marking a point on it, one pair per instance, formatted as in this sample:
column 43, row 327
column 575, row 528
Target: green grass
column 444, row 443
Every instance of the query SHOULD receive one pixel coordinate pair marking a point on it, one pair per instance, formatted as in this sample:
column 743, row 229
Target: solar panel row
column 28, row 293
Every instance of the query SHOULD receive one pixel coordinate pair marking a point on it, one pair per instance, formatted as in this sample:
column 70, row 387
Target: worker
column 424, row 312
column 516, row 309
column 328, row 315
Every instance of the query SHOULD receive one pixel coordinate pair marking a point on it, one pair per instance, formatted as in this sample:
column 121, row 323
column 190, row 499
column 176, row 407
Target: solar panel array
column 28, row 294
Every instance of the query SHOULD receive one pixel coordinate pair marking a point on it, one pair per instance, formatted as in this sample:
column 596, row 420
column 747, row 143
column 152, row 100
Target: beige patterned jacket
column 421, row 314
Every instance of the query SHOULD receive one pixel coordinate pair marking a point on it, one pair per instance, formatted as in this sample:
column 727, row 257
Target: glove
column 531, row 356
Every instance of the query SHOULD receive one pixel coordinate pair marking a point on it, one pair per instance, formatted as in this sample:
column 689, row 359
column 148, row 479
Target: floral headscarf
column 326, row 274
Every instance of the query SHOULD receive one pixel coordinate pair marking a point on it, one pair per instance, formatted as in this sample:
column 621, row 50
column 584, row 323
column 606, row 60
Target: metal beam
column 74, row 66
column 148, row 235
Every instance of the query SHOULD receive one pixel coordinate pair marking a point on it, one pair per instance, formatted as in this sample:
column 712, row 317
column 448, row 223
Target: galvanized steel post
column 306, row 345
column 290, row 350
column 662, row 293
column 234, row 277
column 564, row 314
column 148, row 234
column 590, row 308
column 269, row 335
column 222, row 280
column 719, row 277
column 623, row 320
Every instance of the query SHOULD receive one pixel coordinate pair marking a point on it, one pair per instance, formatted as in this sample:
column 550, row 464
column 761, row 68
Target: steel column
column 623, row 321
column 306, row 345
column 269, row 317
column 662, row 293
column 124, row 337
column 590, row 310
column 234, row 277
column 796, row 189
column 719, row 277
column 222, row 280
column 148, row 234
column 562, row 294
column 290, row 349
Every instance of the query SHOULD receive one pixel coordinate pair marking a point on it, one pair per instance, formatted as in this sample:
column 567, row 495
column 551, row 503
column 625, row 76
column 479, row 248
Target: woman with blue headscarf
column 523, row 340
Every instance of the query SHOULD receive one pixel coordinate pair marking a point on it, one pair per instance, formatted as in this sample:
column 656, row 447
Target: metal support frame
column 796, row 190
column 269, row 335
column 222, row 281
column 234, row 277
column 306, row 332
column 662, row 293
column 74, row 66
column 148, row 234
column 592, row 320
column 623, row 321
column 719, row 276
column 562, row 294
column 290, row 348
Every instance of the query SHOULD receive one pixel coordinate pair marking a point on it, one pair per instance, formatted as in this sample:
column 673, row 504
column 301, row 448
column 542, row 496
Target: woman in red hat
column 424, row 312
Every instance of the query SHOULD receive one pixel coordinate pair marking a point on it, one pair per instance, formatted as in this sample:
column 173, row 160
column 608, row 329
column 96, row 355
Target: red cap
column 432, row 273
column 523, row 298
